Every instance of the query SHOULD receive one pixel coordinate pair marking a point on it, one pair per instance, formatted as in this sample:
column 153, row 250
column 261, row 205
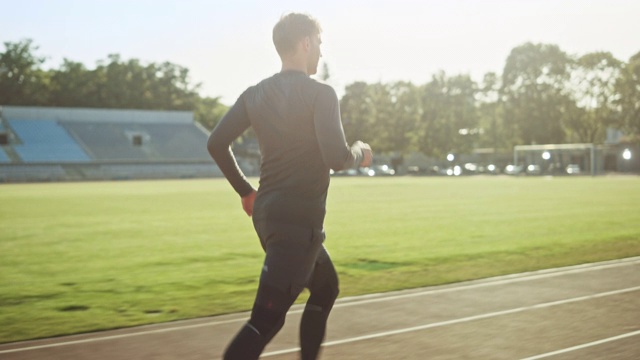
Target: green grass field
column 77, row 257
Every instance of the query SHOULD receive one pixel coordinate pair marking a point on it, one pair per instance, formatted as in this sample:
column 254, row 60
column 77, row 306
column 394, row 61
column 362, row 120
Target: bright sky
column 227, row 45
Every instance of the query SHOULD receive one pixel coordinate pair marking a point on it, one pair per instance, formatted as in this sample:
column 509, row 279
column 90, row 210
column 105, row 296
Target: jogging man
column 297, row 123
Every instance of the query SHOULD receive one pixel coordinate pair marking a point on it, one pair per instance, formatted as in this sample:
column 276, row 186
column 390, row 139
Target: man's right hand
column 247, row 202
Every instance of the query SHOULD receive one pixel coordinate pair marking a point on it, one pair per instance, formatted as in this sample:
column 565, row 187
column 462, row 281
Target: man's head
column 297, row 38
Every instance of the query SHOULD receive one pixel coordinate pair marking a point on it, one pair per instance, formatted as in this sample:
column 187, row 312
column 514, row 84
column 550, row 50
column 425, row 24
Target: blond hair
column 291, row 29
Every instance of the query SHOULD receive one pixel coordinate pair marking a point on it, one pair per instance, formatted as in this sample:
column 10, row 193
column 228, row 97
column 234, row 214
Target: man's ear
column 306, row 43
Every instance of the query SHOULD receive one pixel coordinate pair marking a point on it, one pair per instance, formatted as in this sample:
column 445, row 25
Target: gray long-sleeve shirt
column 297, row 122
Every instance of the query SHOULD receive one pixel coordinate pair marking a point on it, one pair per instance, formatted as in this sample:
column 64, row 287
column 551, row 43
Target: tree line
column 543, row 95
column 113, row 83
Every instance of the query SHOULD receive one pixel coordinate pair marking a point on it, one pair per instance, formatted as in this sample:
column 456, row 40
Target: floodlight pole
column 593, row 160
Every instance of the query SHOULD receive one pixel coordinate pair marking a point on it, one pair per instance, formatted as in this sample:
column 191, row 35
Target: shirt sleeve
column 232, row 125
column 336, row 153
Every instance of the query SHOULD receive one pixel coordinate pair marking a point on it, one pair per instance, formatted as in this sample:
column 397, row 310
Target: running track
column 582, row 312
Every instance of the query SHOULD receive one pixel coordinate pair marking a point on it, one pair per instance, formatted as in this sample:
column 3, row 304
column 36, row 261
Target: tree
column 113, row 83
column 398, row 117
column 209, row 111
column 463, row 118
column 71, row 85
column 592, row 94
column 628, row 88
column 493, row 132
column 358, row 111
column 22, row 82
column 116, row 83
column 174, row 88
column 449, row 120
column 324, row 74
column 532, row 80
column 430, row 138
column 384, row 114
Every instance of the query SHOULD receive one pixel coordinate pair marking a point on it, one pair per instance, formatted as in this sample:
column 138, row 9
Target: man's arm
column 333, row 145
column 232, row 125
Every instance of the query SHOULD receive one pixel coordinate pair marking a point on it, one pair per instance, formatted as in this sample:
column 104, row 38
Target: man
column 297, row 123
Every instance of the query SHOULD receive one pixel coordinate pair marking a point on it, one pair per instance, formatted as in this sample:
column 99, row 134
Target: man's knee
column 325, row 286
column 266, row 321
column 269, row 310
column 324, row 296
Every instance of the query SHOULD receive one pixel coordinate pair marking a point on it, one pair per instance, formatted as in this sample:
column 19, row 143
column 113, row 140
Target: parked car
column 573, row 169
column 378, row 170
column 489, row 169
column 454, row 171
column 513, row 169
column 417, row 170
column 471, row 168
column 346, row 172
column 534, row 169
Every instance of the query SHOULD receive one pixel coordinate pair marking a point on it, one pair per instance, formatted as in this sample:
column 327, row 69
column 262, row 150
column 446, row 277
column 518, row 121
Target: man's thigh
column 291, row 254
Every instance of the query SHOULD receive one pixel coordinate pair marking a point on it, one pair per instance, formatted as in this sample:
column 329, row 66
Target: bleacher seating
column 106, row 141
column 178, row 141
column 45, row 141
column 3, row 157
column 69, row 144
column 160, row 142
column 32, row 173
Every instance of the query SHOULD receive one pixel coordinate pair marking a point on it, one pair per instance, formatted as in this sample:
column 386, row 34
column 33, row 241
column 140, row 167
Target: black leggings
column 270, row 309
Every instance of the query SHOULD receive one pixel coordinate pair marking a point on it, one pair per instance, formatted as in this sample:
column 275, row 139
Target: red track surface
column 582, row 312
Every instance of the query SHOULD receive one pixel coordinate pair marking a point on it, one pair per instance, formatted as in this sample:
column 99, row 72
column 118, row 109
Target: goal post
column 550, row 152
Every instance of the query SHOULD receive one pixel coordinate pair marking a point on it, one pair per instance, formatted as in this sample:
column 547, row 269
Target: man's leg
column 267, row 318
column 324, row 290
column 291, row 252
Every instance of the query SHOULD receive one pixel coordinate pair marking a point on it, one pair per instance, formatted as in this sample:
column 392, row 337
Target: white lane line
column 501, row 280
column 121, row 336
column 371, row 298
column 579, row 347
column 461, row 320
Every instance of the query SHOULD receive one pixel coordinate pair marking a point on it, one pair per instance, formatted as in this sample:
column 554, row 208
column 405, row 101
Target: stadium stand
column 117, row 141
column 13, row 172
column 45, row 141
column 3, row 157
column 57, row 144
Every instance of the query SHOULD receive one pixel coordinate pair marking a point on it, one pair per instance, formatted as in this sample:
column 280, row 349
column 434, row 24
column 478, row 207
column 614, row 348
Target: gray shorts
column 291, row 255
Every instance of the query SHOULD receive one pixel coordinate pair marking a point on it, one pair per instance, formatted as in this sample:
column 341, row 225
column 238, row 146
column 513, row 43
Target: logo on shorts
column 265, row 268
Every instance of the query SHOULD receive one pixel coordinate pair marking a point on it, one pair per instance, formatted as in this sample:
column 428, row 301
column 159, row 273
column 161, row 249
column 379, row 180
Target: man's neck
column 294, row 66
